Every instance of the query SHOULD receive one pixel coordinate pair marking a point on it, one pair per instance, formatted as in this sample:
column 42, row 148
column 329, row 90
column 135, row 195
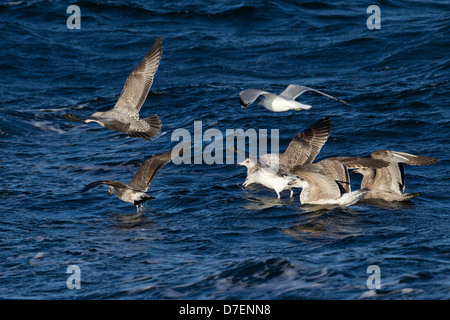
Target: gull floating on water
column 303, row 149
column 327, row 182
column 389, row 183
column 134, row 191
column 321, row 189
column 337, row 168
column 124, row 117
column 279, row 103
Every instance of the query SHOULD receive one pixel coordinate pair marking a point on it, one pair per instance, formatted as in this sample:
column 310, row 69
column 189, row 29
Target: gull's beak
column 109, row 193
column 240, row 164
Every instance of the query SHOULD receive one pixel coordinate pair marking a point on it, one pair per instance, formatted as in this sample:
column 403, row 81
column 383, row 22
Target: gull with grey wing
column 134, row 191
column 279, row 103
column 388, row 183
column 272, row 170
column 124, row 117
column 327, row 182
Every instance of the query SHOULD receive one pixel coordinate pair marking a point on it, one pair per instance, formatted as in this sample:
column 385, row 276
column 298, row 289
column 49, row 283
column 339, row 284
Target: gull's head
column 247, row 163
column 298, row 183
column 363, row 171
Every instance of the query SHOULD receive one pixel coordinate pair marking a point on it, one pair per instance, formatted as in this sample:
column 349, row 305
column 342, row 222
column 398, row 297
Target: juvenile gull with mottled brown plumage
column 134, row 191
column 327, row 182
column 124, row 117
column 389, row 183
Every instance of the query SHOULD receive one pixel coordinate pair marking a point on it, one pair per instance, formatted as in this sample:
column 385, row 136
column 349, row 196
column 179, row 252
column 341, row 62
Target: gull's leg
column 137, row 208
column 142, row 207
column 278, row 195
column 292, row 193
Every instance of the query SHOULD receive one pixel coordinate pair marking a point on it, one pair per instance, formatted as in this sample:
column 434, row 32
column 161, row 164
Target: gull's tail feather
column 143, row 199
column 155, row 127
column 351, row 198
column 406, row 196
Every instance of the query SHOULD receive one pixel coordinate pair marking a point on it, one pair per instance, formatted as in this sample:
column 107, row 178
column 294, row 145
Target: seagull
column 258, row 172
column 279, row 103
column 320, row 189
column 272, row 170
column 124, row 117
column 389, row 183
column 337, row 168
column 327, row 182
column 134, row 191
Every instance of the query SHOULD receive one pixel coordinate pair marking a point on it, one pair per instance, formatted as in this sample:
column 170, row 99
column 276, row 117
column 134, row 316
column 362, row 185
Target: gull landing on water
column 388, row 183
column 303, row 149
column 124, row 117
column 134, row 191
column 327, row 182
column 279, row 103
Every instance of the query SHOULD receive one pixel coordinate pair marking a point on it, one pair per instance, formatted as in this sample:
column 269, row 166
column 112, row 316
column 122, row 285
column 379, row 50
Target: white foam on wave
column 46, row 126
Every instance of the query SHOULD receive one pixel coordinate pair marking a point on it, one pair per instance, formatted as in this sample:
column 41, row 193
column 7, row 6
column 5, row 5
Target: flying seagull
column 134, row 191
column 124, row 117
column 272, row 170
column 279, row 103
column 389, row 183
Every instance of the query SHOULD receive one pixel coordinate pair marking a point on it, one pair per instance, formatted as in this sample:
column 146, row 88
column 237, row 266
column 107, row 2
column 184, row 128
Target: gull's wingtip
column 69, row 117
column 73, row 118
column 243, row 104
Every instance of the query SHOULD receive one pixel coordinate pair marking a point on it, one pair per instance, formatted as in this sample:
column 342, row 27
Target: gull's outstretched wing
column 73, row 118
column 115, row 184
column 322, row 186
column 148, row 170
column 306, row 145
column 293, row 91
column 138, row 83
column 392, row 178
column 248, row 96
column 355, row 162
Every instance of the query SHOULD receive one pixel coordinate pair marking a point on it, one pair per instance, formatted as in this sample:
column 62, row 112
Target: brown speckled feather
column 138, row 83
column 306, row 145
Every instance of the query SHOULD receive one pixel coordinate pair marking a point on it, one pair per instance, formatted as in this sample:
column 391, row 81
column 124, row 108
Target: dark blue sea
column 204, row 236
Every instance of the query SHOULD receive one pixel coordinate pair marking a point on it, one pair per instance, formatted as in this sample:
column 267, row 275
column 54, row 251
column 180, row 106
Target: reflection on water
column 264, row 202
column 388, row 204
column 323, row 223
column 123, row 220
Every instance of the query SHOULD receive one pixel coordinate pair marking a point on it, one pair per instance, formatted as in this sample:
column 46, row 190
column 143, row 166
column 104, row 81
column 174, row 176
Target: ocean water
column 204, row 237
